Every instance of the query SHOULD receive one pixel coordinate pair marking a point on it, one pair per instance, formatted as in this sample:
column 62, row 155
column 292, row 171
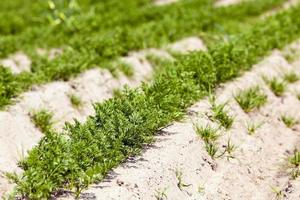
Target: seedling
column 208, row 134
column 252, row 127
column 278, row 193
column 42, row 120
column 75, row 100
column 289, row 121
column 212, row 149
column 251, row 99
column 126, row 68
column 295, row 159
column 229, row 149
column 298, row 96
column 117, row 92
column 277, row 86
column 161, row 194
column 180, row 183
column 291, row 77
column 221, row 115
column 201, row 189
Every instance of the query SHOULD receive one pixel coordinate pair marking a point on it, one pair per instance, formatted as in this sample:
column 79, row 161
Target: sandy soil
column 227, row 2
column 17, row 62
column 259, row 162
column 17, row 132
column 163, row 2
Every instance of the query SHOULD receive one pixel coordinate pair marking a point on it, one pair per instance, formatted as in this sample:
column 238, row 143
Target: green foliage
column 251, row 99
column 84, row 153
column 127, row 69
column 295, row 159
column 208, row 134
column 278, row 87
column 180, row 183
column 221, row 115
column 42, row 120
column 252, row 127
column 97, row 33
column 75, row 100
column 289, row 121
column 9, row 87
column 291, row 77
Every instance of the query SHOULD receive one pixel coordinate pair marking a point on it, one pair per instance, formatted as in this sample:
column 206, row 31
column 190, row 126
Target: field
column 150, row 99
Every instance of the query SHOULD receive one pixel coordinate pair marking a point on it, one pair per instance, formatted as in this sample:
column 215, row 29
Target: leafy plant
column 289, row 121
column 75, row 100
column 278, row 193
column 291, row 77
column 42, row 120
column 278, row 87
column 252, row 127
column 212, row 149
column 126, row 68
column 208, row 134
column 161, row 194
column 180, row 183
column 229, row 149
column 221, row 115
column 251, row 99
column 295, row 159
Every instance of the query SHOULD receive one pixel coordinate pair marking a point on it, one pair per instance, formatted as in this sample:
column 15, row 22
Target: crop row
column 100, row 46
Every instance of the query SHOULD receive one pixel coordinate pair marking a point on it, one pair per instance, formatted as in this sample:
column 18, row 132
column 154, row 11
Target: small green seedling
column 126, row 68
column 295, row 159
column 221, row 115
column 252, row 127
column 42, row 120
column 278, row 193
column 229, row 149
column 277, row 86
column 212, row 149
column 208, row 134
column 201, row 189
column 75, row 100
column 298, row 96
column 180, row 183
column 161, row 194
column 117, row 92
column 289, row 121
column 291, row 77
column 251, row 99
column 294, row 162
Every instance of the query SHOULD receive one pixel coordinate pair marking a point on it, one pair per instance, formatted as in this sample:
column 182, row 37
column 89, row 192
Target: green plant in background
column 294, row 161
column 221, row 115
column 42, row 119
column 251, row 98
column 96, row 33
column 208, row 134
column 58, row 15
column 289, row 121
column 126, row 68
column 75, row 101
column 291, row 77
column 161, row 194
column 252, row 127
column 278, row 87
column 180, row 183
